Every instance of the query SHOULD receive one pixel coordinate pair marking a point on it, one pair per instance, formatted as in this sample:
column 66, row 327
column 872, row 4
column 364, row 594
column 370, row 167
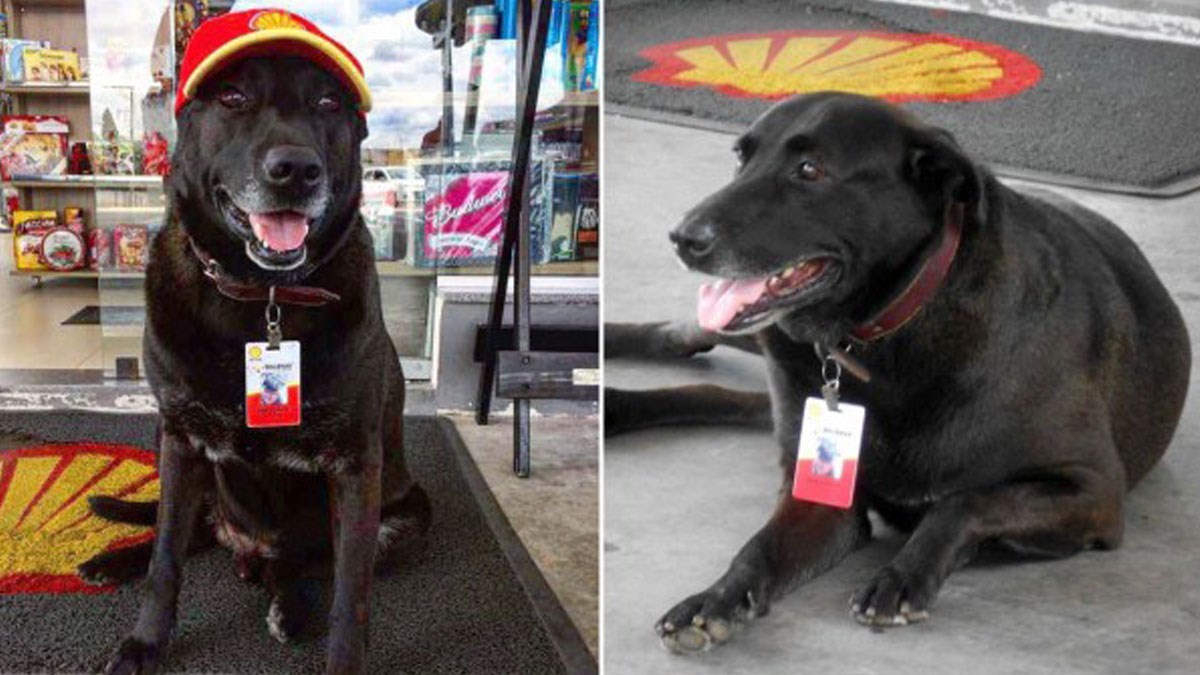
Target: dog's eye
column 328, row 103
column 809, row 170
column 233, row 99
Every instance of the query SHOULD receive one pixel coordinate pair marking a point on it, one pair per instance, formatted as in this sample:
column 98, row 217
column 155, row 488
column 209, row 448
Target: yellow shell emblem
column 892, row 66
column 269, row 20
column 46, row 526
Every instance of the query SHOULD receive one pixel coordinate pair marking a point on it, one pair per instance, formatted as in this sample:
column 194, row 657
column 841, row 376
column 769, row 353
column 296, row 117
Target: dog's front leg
column 356, row 496
column 184, row 479
column 800, row 541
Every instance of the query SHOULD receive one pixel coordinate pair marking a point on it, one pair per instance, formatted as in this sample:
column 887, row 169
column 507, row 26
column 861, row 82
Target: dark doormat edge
column 567, row 640
column 1177, row 188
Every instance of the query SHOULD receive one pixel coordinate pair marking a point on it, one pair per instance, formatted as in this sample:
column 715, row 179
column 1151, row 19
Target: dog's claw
column 893, row 599
column 133, row 657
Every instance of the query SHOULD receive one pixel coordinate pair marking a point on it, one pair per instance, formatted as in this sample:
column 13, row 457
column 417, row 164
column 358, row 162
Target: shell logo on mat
column 893, row 66
column 46, row 527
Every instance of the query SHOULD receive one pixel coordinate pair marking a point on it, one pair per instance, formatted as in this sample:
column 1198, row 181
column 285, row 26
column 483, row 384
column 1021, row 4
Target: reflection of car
column 393, row 205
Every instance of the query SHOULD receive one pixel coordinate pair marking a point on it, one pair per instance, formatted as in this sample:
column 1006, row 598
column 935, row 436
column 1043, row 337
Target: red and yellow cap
column 225, row 40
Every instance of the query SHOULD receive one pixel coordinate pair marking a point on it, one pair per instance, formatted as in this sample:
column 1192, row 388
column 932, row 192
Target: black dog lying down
column 270, row 139
column 1026, row 367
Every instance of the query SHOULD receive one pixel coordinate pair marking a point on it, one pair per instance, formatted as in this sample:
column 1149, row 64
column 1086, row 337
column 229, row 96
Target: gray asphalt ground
column 1107, row 108
column 460, row 609
column 680, row 502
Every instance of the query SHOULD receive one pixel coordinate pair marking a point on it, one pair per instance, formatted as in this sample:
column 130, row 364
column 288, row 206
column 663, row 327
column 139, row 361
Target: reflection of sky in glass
column 405, row 72
column 402, row 68
column 120, row 43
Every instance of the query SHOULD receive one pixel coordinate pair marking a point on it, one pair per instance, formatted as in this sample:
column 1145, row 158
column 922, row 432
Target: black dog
column 264, row 193
column 1036, row 380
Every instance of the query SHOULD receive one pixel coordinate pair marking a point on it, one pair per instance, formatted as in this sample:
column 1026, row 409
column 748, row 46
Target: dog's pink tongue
column 280, row 231
column 721, row 300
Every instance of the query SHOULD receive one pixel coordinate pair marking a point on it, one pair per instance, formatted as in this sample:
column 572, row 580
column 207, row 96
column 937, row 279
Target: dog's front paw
column 133, row 657
column 708, row 619
column 895, row 598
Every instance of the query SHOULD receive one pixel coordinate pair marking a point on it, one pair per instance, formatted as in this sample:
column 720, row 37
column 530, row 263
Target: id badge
column 827, row 460
column 273, row 384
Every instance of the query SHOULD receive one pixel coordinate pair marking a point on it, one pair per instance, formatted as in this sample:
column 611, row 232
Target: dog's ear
column 942, row 173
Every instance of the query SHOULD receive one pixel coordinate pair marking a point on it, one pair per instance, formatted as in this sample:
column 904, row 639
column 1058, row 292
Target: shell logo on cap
column 893, row 66
column 269, row 20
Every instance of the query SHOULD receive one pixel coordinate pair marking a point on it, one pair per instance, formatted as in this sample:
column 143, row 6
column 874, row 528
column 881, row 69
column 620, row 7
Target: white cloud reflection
column 402, row 68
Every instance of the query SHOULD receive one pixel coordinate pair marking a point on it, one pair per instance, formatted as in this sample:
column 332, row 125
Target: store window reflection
column 435, row 165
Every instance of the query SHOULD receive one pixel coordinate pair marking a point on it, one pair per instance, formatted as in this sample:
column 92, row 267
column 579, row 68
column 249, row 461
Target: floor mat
column 1096, row 108
column 462, row 608
column 111, row 315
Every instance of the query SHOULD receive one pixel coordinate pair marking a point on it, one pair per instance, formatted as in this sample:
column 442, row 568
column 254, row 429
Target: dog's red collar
column 923, row 286
column 304, row 296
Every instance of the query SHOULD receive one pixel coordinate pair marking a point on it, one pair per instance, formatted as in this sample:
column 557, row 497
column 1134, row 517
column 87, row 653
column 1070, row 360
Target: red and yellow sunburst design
column 893, row 66
column 46, row 527
column 267, row 20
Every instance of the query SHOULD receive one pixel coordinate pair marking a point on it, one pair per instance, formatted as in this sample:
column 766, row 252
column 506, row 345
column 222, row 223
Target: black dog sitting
column 264, row 200
column 1020, row 364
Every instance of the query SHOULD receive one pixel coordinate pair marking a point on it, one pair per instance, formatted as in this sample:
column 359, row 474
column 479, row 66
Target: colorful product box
column 587, row 218
column 14, row 56
column 29, row 228
column 33, row 146
column 51, row 65
column 465, row 207
column 131, row 247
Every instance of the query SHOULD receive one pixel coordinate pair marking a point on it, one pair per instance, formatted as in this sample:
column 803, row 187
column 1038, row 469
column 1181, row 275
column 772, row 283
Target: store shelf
column 69, row 182
column 395, row 268
column 48, row 88
column 75, row 274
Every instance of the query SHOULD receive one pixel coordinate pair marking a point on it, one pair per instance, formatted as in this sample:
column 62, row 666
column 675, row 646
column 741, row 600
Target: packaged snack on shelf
column 564, row 199
column 587, row 218
column 73, row 219
column 32, row 146
column 99, row 243
column 51, row 65
column 579, row 47
column 14, row 56
column 114, row 158
column 63, row 250
column 156, row 159
column 29, row 228
column 78, row 162
column 3, row 25
column 131, row 247
column 464, row 214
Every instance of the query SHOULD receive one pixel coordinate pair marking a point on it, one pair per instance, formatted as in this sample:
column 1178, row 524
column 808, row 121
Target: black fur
column 1042, row 381
column 278, row 490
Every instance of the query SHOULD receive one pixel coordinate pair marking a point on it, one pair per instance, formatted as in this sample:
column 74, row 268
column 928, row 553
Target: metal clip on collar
column 831, row 374
column 274, row 317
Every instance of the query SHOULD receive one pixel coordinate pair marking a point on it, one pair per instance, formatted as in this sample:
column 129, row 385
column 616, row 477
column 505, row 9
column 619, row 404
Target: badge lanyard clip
column 831, row 373
column 274, row 317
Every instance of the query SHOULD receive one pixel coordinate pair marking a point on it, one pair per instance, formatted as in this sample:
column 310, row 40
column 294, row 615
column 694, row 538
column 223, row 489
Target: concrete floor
column 556, row 511
column 680, row 502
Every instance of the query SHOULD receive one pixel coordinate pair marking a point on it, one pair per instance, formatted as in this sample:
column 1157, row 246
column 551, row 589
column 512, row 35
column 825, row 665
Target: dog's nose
column 694, row 241
column 292, row 166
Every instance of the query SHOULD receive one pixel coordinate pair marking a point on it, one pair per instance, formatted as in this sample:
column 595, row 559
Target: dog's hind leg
column 119, row 566
column 1052, row 515
column 707, row 404
column 129, row 563
column 667, row 340
column 403, row 524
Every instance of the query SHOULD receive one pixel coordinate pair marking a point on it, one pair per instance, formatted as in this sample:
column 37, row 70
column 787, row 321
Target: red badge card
column 827, row 461
column 273, row 384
